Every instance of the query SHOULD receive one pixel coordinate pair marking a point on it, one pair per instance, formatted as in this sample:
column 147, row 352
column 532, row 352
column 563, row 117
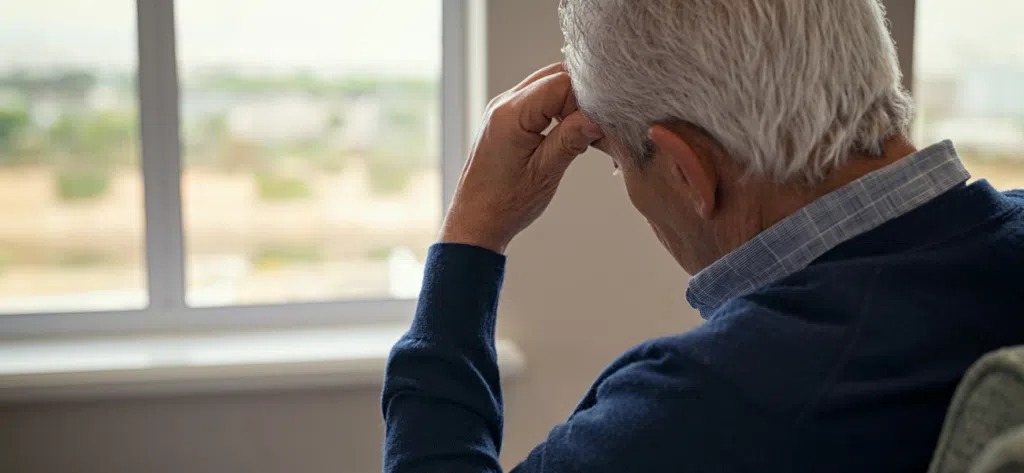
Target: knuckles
column 571, row 146
column 501, row 111
column 497, row 100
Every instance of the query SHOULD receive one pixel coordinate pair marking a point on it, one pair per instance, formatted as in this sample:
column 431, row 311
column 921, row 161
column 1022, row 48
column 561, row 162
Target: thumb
column 568, row 139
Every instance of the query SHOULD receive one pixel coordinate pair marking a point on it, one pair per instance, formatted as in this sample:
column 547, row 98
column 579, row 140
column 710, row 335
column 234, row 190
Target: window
column 969, row 71
column 189, row 162
column 71, row 222
column 311, row 144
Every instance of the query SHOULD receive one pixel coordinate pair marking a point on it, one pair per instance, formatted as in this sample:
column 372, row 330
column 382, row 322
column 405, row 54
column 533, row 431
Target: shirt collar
column 798, row 240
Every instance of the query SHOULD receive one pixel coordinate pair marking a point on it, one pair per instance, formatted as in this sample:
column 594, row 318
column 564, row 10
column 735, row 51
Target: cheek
column 644, row 198
column 665, row 242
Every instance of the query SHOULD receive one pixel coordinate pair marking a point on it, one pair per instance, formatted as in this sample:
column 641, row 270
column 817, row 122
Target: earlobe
column 697, row 169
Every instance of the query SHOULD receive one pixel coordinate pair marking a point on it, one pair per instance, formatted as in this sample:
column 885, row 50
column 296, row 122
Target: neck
column 765, row 204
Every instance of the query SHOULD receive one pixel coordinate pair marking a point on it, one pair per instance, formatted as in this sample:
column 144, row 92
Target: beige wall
column 584, row 284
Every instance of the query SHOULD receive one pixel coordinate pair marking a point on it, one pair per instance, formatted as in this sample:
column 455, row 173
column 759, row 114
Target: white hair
column 790, row 88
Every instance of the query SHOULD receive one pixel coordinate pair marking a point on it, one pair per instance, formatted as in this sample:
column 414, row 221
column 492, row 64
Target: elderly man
column 847, row 280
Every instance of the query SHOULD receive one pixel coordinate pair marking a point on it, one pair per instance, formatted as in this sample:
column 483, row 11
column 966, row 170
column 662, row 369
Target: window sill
column 205, row 363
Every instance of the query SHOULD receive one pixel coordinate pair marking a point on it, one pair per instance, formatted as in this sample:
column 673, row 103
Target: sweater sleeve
column 442, row 395
column 651, row 410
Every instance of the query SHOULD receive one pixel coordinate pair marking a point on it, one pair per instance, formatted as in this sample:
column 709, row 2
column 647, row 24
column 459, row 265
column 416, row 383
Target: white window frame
column 161, row 167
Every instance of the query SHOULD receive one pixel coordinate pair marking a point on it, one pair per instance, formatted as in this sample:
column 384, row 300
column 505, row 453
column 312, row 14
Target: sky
column 400, row 36
column 330, row 36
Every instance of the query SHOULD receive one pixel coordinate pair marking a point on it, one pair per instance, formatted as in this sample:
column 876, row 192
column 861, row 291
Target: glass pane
column 71, row 221
column 311, row 137
column 970, row 84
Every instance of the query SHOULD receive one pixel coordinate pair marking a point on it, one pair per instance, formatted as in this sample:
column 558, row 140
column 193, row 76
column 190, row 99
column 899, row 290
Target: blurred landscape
column 310, row 138
column 969, row 74
column 280, row 173
column 311, row 170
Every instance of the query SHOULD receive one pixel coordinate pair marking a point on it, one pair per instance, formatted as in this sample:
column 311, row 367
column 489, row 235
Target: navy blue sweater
column 845, row 366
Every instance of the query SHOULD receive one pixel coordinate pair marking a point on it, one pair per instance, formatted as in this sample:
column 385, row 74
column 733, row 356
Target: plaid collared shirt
column 796, row 241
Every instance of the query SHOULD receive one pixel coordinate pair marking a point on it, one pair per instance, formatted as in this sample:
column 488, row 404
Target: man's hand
column 514, row 169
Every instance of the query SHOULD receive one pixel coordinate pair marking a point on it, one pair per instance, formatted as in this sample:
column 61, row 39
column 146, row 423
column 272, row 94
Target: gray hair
column 790, row 88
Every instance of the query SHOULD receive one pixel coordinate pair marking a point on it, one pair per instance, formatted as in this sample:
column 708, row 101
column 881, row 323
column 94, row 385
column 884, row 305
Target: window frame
column 161, row 170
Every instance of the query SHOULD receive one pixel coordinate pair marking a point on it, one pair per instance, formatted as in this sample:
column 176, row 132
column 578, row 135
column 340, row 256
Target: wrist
column 477, row 238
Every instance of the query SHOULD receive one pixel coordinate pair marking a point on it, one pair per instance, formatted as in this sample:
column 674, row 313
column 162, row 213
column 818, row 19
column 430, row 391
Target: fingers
column 546, row 99
column 570, row 105
column 545, row 72
column 569, row 139
column 540, row 74
column 544, row 96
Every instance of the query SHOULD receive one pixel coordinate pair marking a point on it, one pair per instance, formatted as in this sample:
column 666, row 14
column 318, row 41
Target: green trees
column 48, row 120
column 88, row 148
column 13, row 122
column 96, row 139
column 84, row 127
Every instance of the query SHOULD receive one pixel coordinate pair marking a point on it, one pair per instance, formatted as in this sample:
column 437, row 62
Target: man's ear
column 697, row 168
